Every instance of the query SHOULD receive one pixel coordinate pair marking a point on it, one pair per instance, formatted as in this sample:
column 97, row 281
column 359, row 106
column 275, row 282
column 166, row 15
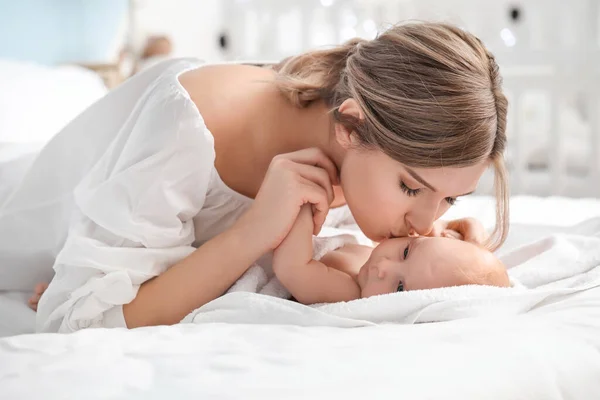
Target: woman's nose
column 421, row 224
column 420, row 230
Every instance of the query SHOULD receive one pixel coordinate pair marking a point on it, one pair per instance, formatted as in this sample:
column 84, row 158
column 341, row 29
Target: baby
column 353, row 271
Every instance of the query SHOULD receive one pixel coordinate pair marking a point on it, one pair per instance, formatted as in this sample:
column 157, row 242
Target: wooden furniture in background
column 109, row 72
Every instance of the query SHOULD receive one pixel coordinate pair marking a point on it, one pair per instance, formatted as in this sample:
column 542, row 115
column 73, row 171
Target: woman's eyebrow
column 419, row 179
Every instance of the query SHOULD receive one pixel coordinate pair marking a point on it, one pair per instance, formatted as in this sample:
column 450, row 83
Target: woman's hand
column 467, row 229
column 292, row 180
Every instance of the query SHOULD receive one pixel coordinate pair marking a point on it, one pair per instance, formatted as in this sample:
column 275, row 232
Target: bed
column 501, row 359
column 532, row 218
column 552, row 352
column 547, row 350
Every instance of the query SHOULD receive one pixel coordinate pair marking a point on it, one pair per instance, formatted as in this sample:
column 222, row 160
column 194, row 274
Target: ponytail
column 314, row 75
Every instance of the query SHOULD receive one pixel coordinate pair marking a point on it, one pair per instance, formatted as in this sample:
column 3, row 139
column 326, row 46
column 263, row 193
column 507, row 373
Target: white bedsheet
column 550, row 352
column 16, row 318
column 537, row 357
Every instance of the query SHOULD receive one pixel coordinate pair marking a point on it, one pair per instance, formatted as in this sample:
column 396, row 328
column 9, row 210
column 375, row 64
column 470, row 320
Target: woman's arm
column 199, row 278
column 128, row 259
column 308, row 280
column 295, row 181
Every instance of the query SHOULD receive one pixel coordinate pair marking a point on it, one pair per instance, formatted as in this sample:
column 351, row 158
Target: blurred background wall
column 547, row 50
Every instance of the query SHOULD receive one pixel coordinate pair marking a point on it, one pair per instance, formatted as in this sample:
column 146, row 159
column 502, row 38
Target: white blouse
column 123, row 192
column 151, row 196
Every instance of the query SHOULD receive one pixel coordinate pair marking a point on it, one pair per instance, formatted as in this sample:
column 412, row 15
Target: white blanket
column 549, row 272
column 260, row 279
column 543, row 344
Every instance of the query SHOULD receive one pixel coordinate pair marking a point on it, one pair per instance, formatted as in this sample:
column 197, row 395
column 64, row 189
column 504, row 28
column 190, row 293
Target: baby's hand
column 449, row 233
column 467, row 229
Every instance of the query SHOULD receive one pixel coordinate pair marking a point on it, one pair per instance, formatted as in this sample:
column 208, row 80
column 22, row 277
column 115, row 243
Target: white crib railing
column 547, row 49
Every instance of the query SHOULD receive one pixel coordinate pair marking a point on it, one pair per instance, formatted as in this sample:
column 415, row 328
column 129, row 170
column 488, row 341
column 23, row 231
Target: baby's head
column 427, row 263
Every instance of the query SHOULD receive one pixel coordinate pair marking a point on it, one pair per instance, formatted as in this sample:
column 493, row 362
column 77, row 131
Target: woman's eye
column 408, row 191
column 400, row 287
column 406, row 252
column 451, row 200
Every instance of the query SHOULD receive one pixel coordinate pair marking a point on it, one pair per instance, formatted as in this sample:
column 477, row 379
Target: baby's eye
column 406, row 252
column 400, row 287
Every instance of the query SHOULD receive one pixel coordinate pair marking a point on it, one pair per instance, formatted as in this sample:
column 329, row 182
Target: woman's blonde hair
column 431, row 96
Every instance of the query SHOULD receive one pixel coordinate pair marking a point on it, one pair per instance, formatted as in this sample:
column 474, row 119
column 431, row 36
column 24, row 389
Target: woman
column 170, row 187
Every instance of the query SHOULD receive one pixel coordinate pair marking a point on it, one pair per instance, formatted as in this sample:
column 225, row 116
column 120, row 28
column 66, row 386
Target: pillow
column 15, row 159
column 38, row 101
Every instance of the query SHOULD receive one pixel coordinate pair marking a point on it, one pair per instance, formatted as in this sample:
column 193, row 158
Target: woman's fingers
column 315, row 157
column 292, row 180
column 316, row 175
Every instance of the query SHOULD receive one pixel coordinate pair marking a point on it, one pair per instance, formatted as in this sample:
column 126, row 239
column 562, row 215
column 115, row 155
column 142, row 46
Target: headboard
column 59, row 31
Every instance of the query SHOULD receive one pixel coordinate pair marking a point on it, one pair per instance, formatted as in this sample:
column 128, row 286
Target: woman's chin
column 376, row 237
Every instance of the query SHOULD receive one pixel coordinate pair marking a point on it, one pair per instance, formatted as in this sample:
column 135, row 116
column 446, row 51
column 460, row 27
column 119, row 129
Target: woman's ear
column 345, row 137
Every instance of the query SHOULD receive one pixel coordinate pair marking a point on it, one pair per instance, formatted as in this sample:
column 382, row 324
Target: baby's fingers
column 449, row 233
column 318, row 198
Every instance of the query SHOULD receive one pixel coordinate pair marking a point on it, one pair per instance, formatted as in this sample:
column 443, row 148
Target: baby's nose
column 383, row 269
column 375, row 272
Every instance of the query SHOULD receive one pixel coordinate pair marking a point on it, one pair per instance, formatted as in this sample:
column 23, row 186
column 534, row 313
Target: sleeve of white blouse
column 133, row 217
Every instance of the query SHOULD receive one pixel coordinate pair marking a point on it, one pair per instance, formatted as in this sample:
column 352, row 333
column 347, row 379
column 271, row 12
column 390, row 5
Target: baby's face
column 421, row 263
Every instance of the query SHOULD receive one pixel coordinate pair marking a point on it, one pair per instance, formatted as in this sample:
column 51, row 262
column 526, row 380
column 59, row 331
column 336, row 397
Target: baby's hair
column 431, row 95
column 484, row 274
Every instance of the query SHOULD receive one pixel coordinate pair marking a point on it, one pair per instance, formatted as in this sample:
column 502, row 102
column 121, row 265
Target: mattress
column 552, row 353
column 510, row 359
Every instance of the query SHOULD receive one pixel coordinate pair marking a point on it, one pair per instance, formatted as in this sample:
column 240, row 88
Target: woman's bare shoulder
column 227, row 95
column 223, row 76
